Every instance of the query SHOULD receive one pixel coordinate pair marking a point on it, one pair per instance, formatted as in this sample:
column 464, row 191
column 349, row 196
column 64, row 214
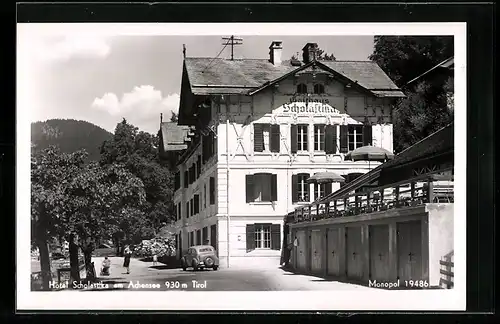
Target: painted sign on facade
column 306, row 104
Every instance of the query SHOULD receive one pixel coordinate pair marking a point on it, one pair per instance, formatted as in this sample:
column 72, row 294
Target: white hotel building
column 251, row 131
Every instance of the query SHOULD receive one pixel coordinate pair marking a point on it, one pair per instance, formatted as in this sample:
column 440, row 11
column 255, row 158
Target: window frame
column 263, row 232
column 302, row 146
column 268, row 183
column 356, row 132
column 317, row 87
column 303, row 188
column 301, row 88
column 319, row 135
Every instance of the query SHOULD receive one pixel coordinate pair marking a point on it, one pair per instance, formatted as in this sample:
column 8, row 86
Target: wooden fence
column 447, row 271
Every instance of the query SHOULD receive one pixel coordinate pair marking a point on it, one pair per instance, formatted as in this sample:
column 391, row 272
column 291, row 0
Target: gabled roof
column 174, row 136
column 248, row 76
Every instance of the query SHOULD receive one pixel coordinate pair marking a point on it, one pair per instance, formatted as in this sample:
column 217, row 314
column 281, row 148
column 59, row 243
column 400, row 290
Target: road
column 146, row 275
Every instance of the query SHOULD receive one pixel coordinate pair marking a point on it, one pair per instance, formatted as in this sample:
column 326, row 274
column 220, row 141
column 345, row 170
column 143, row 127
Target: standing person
column 155, row 259
column 126, row 262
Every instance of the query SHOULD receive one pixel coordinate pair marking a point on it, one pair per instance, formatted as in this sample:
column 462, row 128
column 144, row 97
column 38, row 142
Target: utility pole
column 232, row 41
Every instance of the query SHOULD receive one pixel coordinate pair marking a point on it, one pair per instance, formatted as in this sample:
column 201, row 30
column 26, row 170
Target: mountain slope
column 69, row 135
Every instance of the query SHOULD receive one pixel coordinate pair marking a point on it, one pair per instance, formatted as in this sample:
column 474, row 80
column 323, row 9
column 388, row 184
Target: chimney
column 275, row 52
column 309, row 52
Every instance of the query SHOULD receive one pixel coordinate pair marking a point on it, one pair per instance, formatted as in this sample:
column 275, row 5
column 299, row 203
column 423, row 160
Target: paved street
column 232, row 279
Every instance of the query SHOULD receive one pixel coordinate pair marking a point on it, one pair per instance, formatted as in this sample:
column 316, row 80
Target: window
column 301, row 88
column 263, row 236
column 302, row 137
column 179, row 210
column 206, row 250
column 319, row 137
column 261, row 187
column 198, row 237
column 300, row 188
column 191, row 239
column 192, row 173
column 177, row 181
column 319, row 88
column 186, row 179
column 354, row 136
column 198, row 166
column 266, row 138
column 196, row 203
column 191, row 206
column 212, row 190
column 204, row 235
column 187, row 210
column 205, row 196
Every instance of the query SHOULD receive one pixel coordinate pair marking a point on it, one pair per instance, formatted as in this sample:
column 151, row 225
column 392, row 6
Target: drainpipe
column 228, row 219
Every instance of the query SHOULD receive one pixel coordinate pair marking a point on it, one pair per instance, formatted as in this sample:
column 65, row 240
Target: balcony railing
column 378, row 199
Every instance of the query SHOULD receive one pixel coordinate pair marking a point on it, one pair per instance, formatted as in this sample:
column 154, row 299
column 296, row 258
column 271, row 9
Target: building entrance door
column 333, row 252
column 379, row 252
column 354, row 250
column 316, row 251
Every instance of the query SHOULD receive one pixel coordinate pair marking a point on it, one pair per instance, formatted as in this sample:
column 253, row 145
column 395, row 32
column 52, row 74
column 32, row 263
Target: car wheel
column 215, row 267
column 209, row 262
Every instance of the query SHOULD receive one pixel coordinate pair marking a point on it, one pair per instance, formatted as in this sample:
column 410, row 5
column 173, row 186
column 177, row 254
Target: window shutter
column 198, row 166
column 293, row 139
column 367, row 135
column 328, row 189
column 191, row 206
column 212, row 190
column 331, row 139
column 343, row 139
column 258, row 138
column 250, row 237
column 275, row 138
column 274, row 187
column 187, row 210
column 295, row 186
column 204, row 149
column 249, row 188
column 186, row 179
column 180, row 211
column 275, row 236
column 196, row 204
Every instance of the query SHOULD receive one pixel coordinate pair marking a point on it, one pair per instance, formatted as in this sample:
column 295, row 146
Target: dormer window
column 319, row 88
column 301, row 88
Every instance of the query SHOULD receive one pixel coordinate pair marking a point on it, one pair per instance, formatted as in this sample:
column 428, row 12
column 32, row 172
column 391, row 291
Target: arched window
column 301, row 88
column 319, row 88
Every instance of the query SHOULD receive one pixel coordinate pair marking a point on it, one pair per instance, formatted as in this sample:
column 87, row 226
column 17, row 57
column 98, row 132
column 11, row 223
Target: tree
column 428, row 105
column 138, row 151
column 322, row 56
column 406, row 57
column 101, row 197
column 51, row 172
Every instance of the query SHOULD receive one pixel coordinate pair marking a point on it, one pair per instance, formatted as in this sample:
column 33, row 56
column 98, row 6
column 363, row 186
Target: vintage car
column 199, row 257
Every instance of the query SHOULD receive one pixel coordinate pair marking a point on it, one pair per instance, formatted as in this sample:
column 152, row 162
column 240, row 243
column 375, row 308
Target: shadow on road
column 165, row 267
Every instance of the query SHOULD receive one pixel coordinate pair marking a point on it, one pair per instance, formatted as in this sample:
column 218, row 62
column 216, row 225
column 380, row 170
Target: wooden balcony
column 415, row 192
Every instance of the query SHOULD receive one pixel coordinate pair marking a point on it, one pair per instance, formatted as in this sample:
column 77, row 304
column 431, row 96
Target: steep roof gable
column 248, row 76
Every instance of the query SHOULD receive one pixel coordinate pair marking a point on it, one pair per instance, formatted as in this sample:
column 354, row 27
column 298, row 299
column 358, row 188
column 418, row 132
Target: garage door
column 379, row 252
column 301, row 250
column 334, row 252
column 316, row 251
column 354, row 250
column 409, row 238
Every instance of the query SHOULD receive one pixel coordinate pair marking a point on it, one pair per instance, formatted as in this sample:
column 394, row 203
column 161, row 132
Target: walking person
column 126, row 262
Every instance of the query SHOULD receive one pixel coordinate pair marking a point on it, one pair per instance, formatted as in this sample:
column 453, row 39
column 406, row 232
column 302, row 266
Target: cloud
column 141, row 106
column 68, row 47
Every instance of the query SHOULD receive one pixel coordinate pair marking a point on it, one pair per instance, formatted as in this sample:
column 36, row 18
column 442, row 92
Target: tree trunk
column 89, row 265
column 73, row 260
column 43, row 248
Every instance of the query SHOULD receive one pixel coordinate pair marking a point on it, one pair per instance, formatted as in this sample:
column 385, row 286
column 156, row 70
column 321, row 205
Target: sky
column 102, row 79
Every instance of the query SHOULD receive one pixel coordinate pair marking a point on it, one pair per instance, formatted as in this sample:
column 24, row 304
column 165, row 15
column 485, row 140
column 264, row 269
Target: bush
column 157, row 246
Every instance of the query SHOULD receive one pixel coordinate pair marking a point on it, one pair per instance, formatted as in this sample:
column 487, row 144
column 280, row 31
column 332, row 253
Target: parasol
column 369, row 153
column 325, row 177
